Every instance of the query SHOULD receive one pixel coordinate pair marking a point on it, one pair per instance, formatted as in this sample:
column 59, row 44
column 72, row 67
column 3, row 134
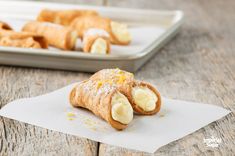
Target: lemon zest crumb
column 120, row 72
column 121, row 79
column 99, row 84
column 70, row 114
column 109, row 82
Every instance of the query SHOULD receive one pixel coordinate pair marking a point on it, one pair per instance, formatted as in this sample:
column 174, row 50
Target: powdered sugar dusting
column 95, row 31
column 106, row 81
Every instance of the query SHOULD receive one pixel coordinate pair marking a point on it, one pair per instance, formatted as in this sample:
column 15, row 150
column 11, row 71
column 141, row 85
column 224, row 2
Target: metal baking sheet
column 150, row 31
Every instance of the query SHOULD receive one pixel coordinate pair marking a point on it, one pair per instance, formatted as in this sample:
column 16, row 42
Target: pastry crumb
column 89, row 122
column 69, row 118
column 93, row 128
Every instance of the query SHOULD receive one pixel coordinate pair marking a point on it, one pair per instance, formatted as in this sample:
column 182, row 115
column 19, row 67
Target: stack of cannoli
column 114, row 95
column 8, row 37
column 64, row 28
column 82, row 20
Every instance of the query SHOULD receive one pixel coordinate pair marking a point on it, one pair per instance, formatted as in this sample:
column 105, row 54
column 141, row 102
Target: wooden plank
column 198, row 65
column 23, row 139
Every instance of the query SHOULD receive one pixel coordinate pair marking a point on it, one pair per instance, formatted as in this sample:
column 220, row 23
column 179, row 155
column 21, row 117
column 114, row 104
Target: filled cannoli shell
column 91, row 36
column 125, row 82
column 98, row 100
column 63, row 17
column 137, row 108
column 56, row 35
column 83, row 23
column 22, row 39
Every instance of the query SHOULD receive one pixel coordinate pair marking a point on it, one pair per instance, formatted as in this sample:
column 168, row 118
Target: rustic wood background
column 197, row 65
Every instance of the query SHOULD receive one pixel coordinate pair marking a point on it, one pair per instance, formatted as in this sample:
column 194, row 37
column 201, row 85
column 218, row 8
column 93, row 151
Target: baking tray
column 168, row 22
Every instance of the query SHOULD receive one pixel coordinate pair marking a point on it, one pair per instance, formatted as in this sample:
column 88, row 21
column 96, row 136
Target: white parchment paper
column 145, row 133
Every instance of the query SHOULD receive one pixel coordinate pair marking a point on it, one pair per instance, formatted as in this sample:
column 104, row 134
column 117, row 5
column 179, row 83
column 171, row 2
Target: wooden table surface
column 197, row 65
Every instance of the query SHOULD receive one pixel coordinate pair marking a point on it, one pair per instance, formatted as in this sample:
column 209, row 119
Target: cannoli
column 119, row 33
column 21, row 39
column 56, row 35
column 144, row 98
column 104, row 101
column 96, row 41
column 63, row 17
column 4, row 26
column 114, row 94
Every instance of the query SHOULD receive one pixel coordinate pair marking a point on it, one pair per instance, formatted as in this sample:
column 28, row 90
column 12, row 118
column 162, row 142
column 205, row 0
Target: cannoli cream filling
column 99, row 46
column 144, row 98
column 121, row 31
column 121, row 109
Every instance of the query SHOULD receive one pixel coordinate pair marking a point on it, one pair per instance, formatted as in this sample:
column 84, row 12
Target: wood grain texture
column 197, row 65
column 23, row 139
